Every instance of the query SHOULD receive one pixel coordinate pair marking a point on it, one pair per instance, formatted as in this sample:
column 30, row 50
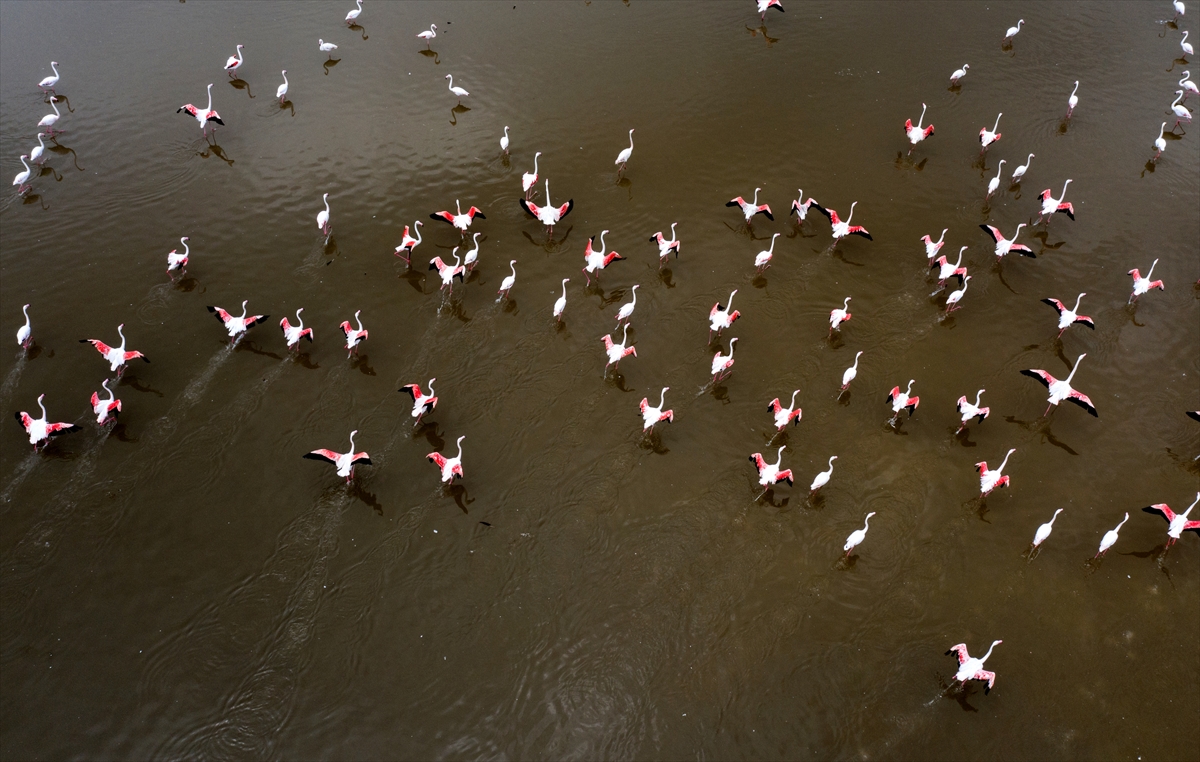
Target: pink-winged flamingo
column 408, row 243
column 987, row 137
column 721, row 316
column 614, row 351
column 448, row 272
column 842, row 229
column 1177, row 522
column 665, row 247
column 203, row 116
column 969, row 411
column 293, row 333
column 548, row 215
column 1061, row 390
column 785, row 415
column 766, row 5
column 597, row 260
column 354, row 336
column 105, row 409
column 970, row 668
column 1066, row 317
column 237, row 325
column 1051, row 205
column 839, row 315
column 1181, row 111
column 1142, row 285
column 800, row 207
column 652, row 415
column 932, row 247
column 1006, row 245
column 116, row 357
column 722, row 365
column 917, row 134
column 343, row 461
column 178, row 261
column 947, row 270
column 751, row 208
column 451, row 467
column 901, row 399
column 769, row 473
column 423, row 402
column 460, row 220
column 235, row 61
column 39, row 430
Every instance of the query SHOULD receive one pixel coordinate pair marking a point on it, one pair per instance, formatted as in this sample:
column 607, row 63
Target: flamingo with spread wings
column 344, row 461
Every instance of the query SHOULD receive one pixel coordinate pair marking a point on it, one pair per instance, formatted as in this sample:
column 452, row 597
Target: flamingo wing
column 443, row 216
column 530, row 207
column 100, row 346
column 1040, row 375
column 1081, row 399
column 326, row 455
column 739, row 201
column 608, row 342
column 213, row 116
column 830, row 213
column 1086, row 321
column 221, row 314
column 716, row 308
column 940, row 262
column 1023, row 250
column 1163, row 508
column 1066, row 209
column 437, row 458
column 759, row 463
column 669, row 417
column 54, row 429
column 983, row 674
column 253, row 320
column 1056, row 304
column 960, row 651
column 456, row 471
column 860, row 230
column 895, row 392
column 766, row 212
column 413, row 390
column 136, row 355
column 912, row 405
column 25, row 420
column 643, row 404
column 996, row 235
column 784, row 476
column 563, row 210
column 775, row 406
column 474, row 212
column 1194, row 415
column 361, row 457
column 189, row 108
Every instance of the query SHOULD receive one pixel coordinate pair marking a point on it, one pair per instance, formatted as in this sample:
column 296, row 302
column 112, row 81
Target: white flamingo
column 529, row 179
column 823, row 478
column 932, row 247
column 623, row 157
column 1044, row 530
column 858, row 535
column 203, row 116
column 49, row 82
column 851, row 372
column 626, row 310
column 959, row 74
column 560, row 304
column 281, row 91
column 178, row 261
column 504, row 140
column 25, row 332
column 22, row 178
column 457, row 91
column 509, row 280
column 784, row 415
column 1020, row 171
column 762, row 260
column 1110, row 537
column 987, row 137
column 994, row 183
column 323, row 217
column 49, row 120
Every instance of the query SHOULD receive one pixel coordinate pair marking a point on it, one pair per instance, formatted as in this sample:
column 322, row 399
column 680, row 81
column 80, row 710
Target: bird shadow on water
column 652, row 441
column 360, row 29
column 845, row 563
column 430, row 431
column 762, row 30
column 815, row 502
column 843, row 399
column 212, row 149
column 34, row 198
column 302, row 359
column 766, row 498
column 664, row 275
column 356, row 491
column 1159, row 554
column 287, row 104
column 60, row 150
column 454, row 112
column 414, row 279
column 329, row 64
column 241, row 84
column 963, row 437
column 431, row 54
column 459, row 493
column 248, row 345
column 133, row 383
column 1041, row 426
column 618, row 380
column 960, row 692
column 906, row 162
column 551, row 245
column 361, row 363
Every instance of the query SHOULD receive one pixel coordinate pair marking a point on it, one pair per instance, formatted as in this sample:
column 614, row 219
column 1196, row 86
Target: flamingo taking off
column 762, row 260
column 25, row 332
column 665, row 247
column 785, row 415
column 597, row 260
column 548, row 215
column 428, row 34
column 749, row 209
column 623, row 156
column 115, row 356
column 237, row 325
column 203, row 116
column 451, row 467
column 457, row 91
column 1178, row 522
column 323, row 217
column 560, row 303
column 344, row 461
column 408, row 243
column 722, row 365
column 1012, row 30
column 39, row 430
column 932, row 247
column 1142, row 285
column 1051, row 205
column 917, row 134
column 105, row 409
column 509, row 280
column 1110, row 537
column 178, row 261
column 769, row 473
column 947, row 270
column 765, row 5
column 901, row 399
column 235, row 61
column 1061, row 390
column 626, row 310
column 1066, row 317
column 1020, row 171
column 839, row 315
column 800, row 207
column 970, row 668
column 969, row 411
column 448, row 272
column 293, row 333
column 858, row 535
column 959, row 74
column 616, row 352
column 1044, row 530
column 354, row 336
column 459, row 220
column 49, row 82
column 822, row 478
column 721, row 316
column 652, row 415
column 422, row 402
column 842, row 229
column 49, row 120
column 851, row 372
column 987, row 137
column 529, row 179
column 1006, row 245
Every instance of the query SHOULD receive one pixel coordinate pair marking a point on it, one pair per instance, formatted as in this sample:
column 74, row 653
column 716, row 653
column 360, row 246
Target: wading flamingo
column 323, row 217
column 529, row 179
column 422, row 402
column 769, row 473
column 901, row 399
column 652, row 415
column 473, row 255
column 987, row 137
column 49, row 120
column 428, row 34
column 560, row 304
column 115, row 356
column 946, row 270
column 459, row 219
column 235, row 61
column 448, row 272
column 839, row 315
column 354, row 336
column 749, row 209
column 1061, row 390
column 281, row 91
column 1178, row 522
column 784, row 415
column 343, row 461
column 1044, row 530
column 293, row 333
column 1051, row 205
column 762, row 260
column 722, row 365
column 1020, row 171
column 203, row 116
column 504, row 140
column 851, row 372
column 994, row 183
column 932, row 247
column 623, row 156
column 39, row 430
column 408, row 243
column 597, row 260
column 327, row 47
column 49, row 82
column 509, row 280
column 800, row 207
column 105, row 409
column 549, row 215
column 917, row 134
column 858, row 535
column 665, row 247
column 1006, row 245
column 237, row 325
column 1110, row 537
column 178, row 261
column 22, row 179
column 842, row 229
column 25, row 332
column 765, row 5
column 352, row 16
column 956, row 296
column 822, row 478
column 1142, row 285
column 721, row 316
column 969, row 411
column 959, row 74
column 1073, row 101
column 616, row 352
column 451, row 467
column 626, row 310
column 1012, row 30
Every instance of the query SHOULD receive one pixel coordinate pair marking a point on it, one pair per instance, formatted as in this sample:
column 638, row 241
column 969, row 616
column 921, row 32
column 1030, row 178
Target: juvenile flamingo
column 529, row 179
column 652, row 415
column 785, row 415
column 459, row 220
column 560, row 304
column 106, row 410
column 721, row 317
column 957, row 295
column 932, row 247
column 178, row 261
column 1044, row 530
column 1073, row 101
column 1066, row 317
column 343, row 461
column 1020, row 171
column 987, row 137
column 509, row 280
column 428, row 34
column 901, row 399
column 548, row 215
column 762, row 260
column 234, row 62
column 1051, row 205
column 457, row 91
column 327, row 47
column 39, row 430
column 623, row 156
column 1142, row 285
column 448, row 272
column 989, row 479
column 959, row 74
column 237, row 326
column 293, row 333
column 839, row 315
column 722, row 365
column 1006, row 245
column 858, row 535
column 1061, row 390
column 851, row 372
column 626, row 310
column 323, row 217
column 769, row 473
column 25, row 332
column 665, row 247
column 917, row 134
column 969, row 411
column 203, row 116
column 49, row 82
column 473, row 255
column 994, row 183
column 1178, row 522
column 1110, row 537
column 354, row 336
column 970, row 668
column 946, row 270
column 800, row 207
column 842, row 229
column 822, row 478
column 616, row 352
column 597, row 260
column 408, row 243
column 22, row 178
column 422, row 402
column 749, row 209
column 49, row 120
column 116, row 357
column 451, row 467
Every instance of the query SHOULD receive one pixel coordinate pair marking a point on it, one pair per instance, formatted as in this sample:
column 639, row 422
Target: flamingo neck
column 793, row 402
column 779, row 456
column 634, row 302
column 756, row 190
column 564, row 285
column 673, row 224
column 513, row 267
column 960, row 253
column 602, row 246
column 1076, row 367
column 1117, row 528
column 908, row 391
column 27, row 169
column 207, row 108
column 978, row 394
column 352, row 433
column 548, row 192
column 451, row 78
column 939, row 240
column 535, row 159
column 56, row 111
column 121, row 333
column 997, row 124
column 1055, row 516
column 989, row 653
column 631, row 140
column 867, row 522
column 772, row 249
column 43, row 407
column 1076, row 89
column 243, row 317
column 1151, row 272
column 1064, row 192
column 851, row 212
column 1078, row 299
column 625, row 335
column 922, row 119
column 42, row 144
column 729, row 304
column 54, row 65
column 1004, row 462
column 25, row 311
column 460, row 439
column 855, row 366
column 662, row 398
column 1193, row 505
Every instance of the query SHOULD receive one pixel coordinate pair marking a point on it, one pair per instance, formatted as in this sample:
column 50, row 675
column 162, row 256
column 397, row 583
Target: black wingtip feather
column 1034, row 375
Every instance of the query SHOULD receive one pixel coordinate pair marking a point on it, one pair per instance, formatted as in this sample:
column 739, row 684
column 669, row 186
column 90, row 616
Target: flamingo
column 25, row 332
column 1006, row 245
column 851, row 372
column 987, row 137
column 959, row 74
column 1061, row 390
column 1044, row 530
column 237, row 326
column 459, row 220
column 529, row 179
column 116, row 357
column 49, row 120
column 1189, row 87
column 1184, row 45
column 422, row 403
column 822, row 478
column 504, row 140
column 957, row 295
column 842, row 229
column 428, row 34
column 615, row 351
column 722, row 365
column 858, row 535
column 989, row 479
column 352, row 16
column 354, row 337
column 1051, row 205
column 293, row 333
column 623, row 156
column 917, row 134
column 969, row 411
column 785, row 415
column 23, row 177
column 665, row 247
column 509, row 280
column 1073, row 101
column 970, row 668
column 652, row 415
column 1110, row 537
column 752, row 208
column 1020, row 171
column 765, row 5
column 451, row 467
column 408, row 243
column 994, row 183
column 597, row 260
column 548, row 215
column 1068, row 316
column 762, row 260
column 932, row 247
column 234, row 62
column 1178, row 521
column 721, row 316
column 457, row 91
column 472, row 256
column 105, row 410
column 560, row 303
column 1142, row 285
column 1160, row 143
column 39, row 430
column 344, row 461
column 281, row 91
column 1181, row 112
column 947, row 270
column 900, row 400
column 326, row 47
column 178, row 261
column 36, row 155
column 1178, row 8
column 800, row 207
column 49, row 82
column 839, row 315
column 203, row 116
column 626, row 310
column 769, row 473
column 323, row 217
column 1012, row 30
column 448, row 272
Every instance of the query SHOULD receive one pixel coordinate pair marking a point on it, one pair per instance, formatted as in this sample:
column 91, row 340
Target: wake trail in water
column 10, row 381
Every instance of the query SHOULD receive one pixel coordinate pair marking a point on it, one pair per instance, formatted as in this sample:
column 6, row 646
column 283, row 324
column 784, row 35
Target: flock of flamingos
column 721, row 316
